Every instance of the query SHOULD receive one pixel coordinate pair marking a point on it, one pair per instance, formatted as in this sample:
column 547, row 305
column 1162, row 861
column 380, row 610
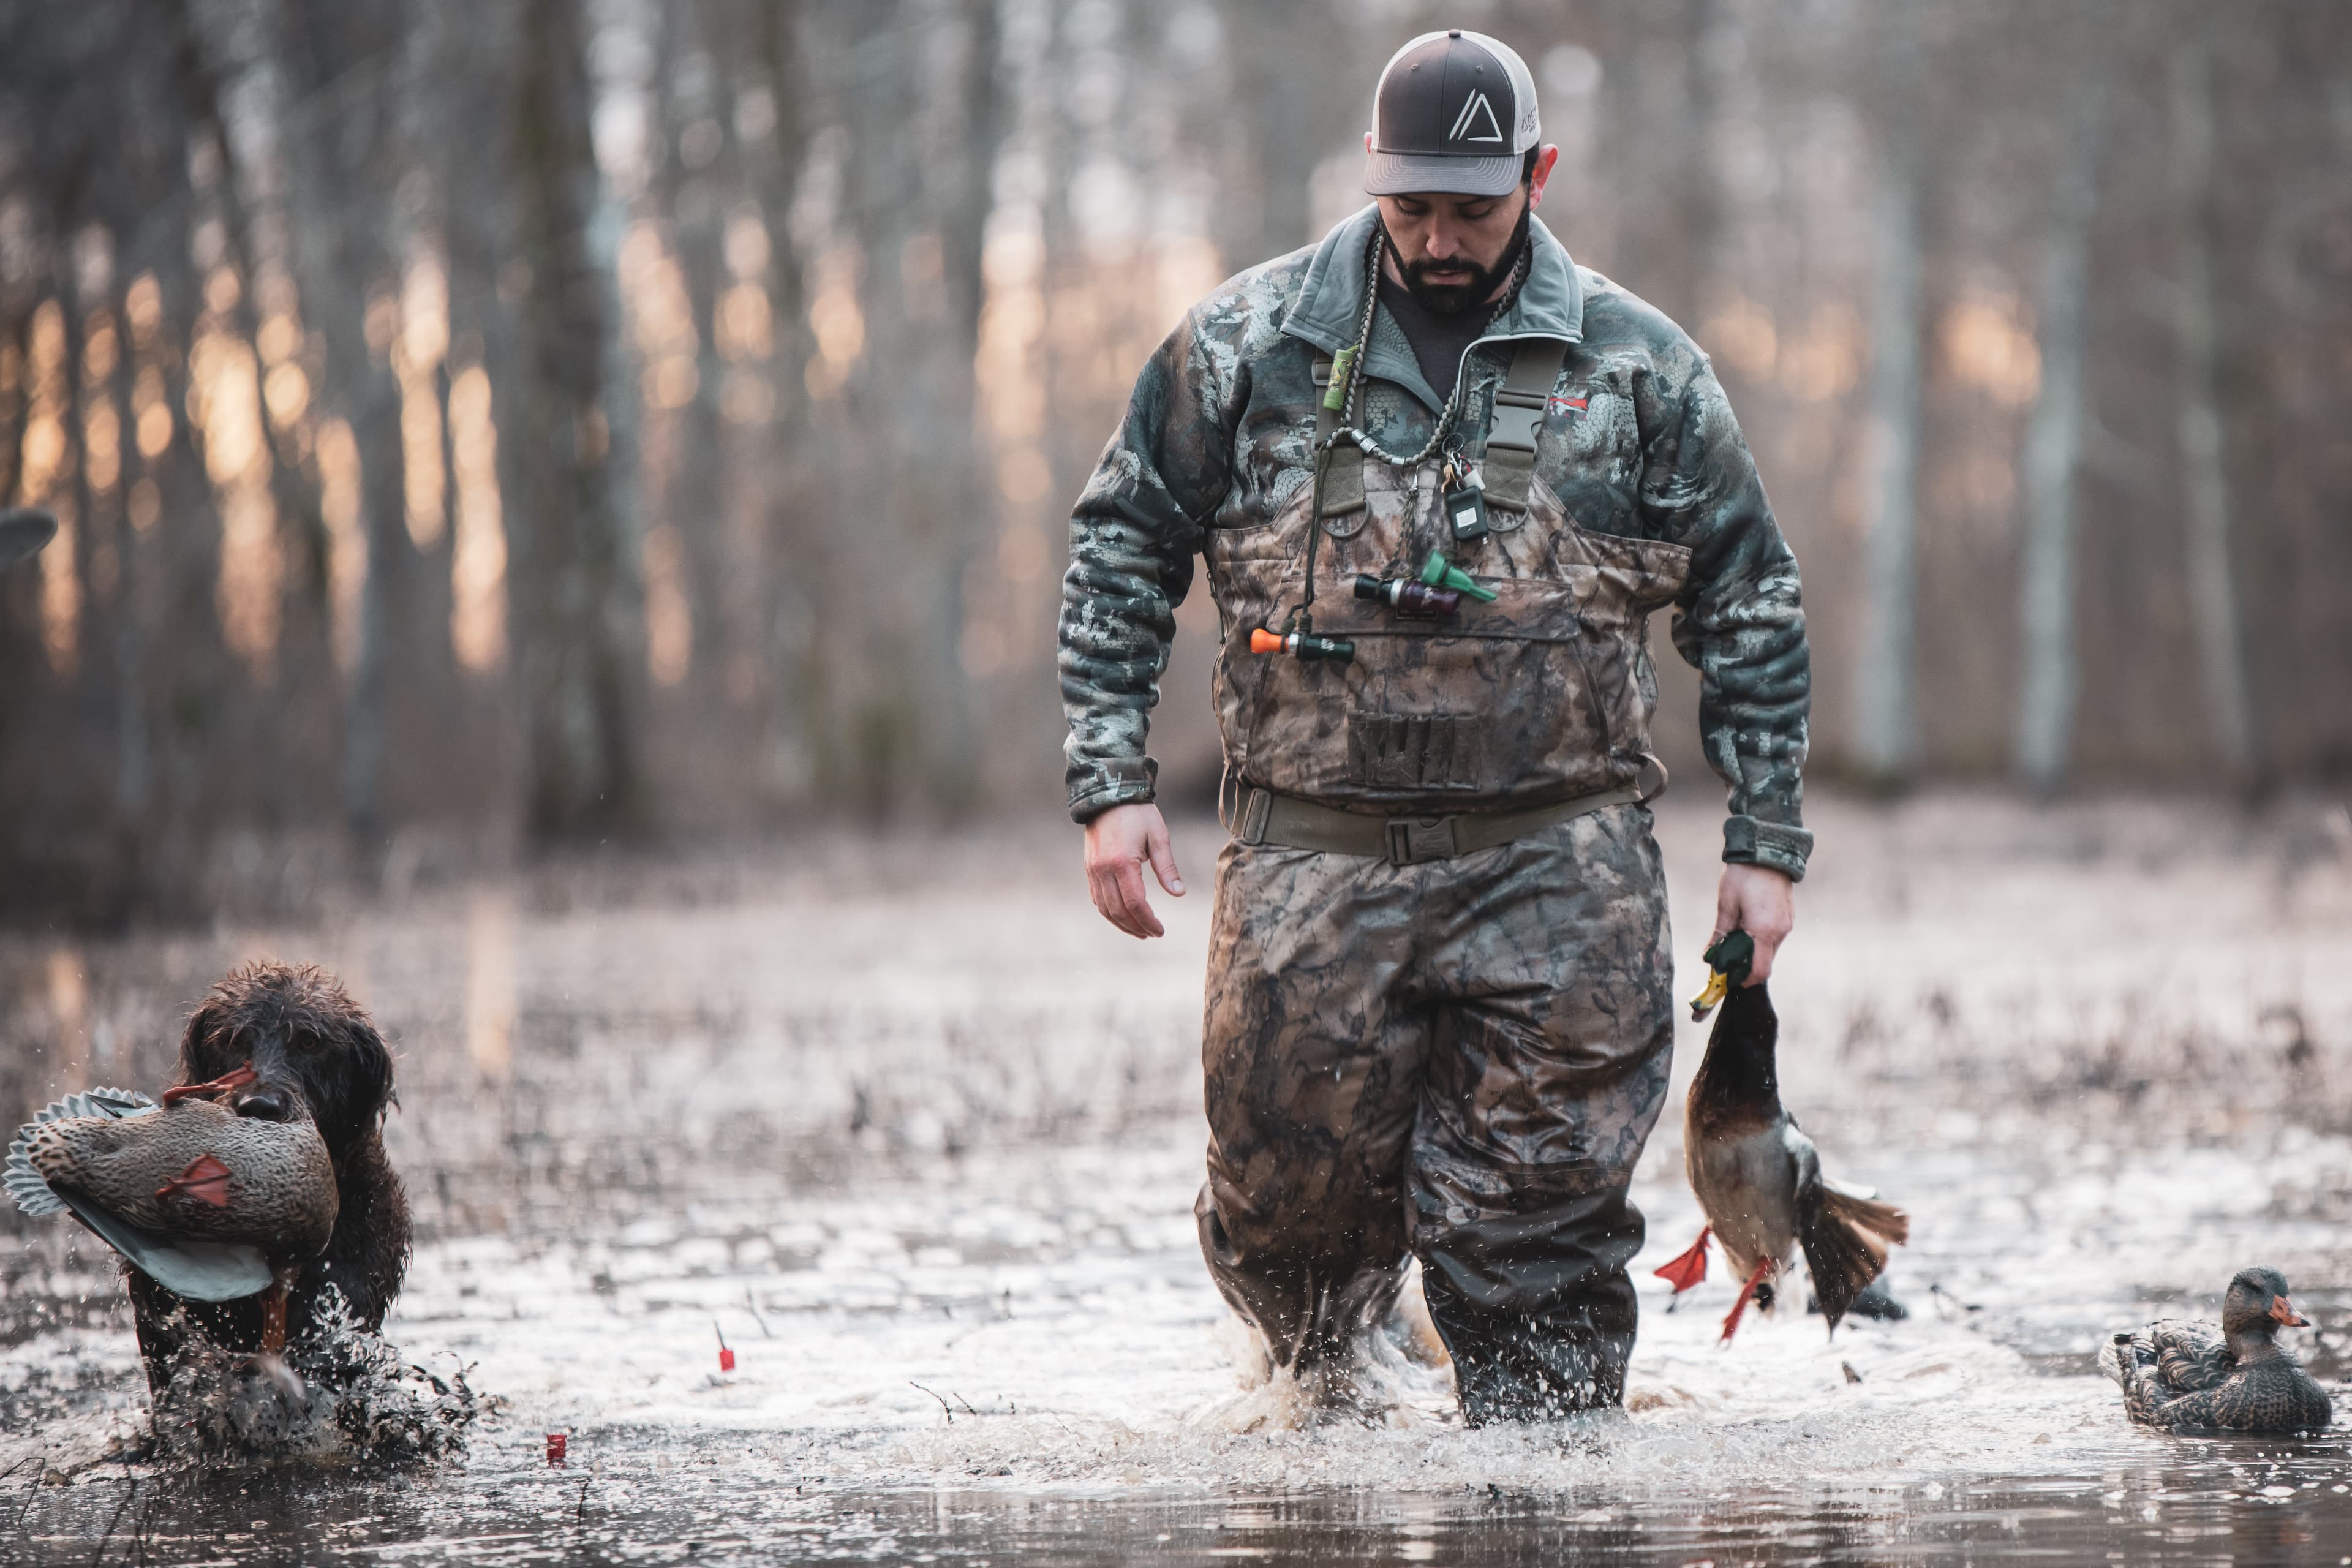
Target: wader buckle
column 1413, row 839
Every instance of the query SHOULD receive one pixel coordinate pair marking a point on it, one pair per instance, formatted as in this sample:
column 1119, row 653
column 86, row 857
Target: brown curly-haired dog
column 313, row 1051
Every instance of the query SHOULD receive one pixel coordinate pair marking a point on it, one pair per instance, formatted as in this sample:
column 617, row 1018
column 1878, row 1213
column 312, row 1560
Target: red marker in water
column 726, row 1356
column 556, row 1442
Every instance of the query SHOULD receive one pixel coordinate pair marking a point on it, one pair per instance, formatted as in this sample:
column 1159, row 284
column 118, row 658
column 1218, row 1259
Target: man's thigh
column 1311, row 1056
column 1553, row 1028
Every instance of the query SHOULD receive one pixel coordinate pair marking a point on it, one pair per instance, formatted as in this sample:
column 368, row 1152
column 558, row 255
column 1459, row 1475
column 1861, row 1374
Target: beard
column 1453, row 299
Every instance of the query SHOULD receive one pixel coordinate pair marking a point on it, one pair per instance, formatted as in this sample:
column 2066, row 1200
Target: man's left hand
column 1763, row 903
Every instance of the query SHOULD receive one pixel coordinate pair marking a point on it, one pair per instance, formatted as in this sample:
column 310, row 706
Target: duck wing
column 199, row 1270
column 1846, row 1235
column 2189, row 1356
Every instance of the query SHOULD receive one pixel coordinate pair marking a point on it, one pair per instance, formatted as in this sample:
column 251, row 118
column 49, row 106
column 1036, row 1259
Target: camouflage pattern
column 1461, row 1058
column 1646, row 497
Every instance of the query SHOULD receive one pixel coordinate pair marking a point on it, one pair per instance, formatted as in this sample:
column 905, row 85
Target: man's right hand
column 1117, row 844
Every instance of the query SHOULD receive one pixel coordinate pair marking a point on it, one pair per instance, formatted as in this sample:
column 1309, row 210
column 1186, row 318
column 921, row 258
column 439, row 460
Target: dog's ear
column 205, row 1041
column 368, row 1062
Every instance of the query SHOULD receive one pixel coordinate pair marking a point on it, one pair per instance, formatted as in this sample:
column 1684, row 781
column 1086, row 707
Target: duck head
column 1729, row 962
column 286, row 1043
column 2257, row 1304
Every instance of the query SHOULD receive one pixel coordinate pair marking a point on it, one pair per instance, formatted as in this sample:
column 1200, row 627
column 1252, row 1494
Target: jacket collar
column 1550, row 303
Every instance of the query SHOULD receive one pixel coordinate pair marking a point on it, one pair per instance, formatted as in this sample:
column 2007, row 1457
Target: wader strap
column 1518, row 414
column 1342, row 475
column 1289, row 822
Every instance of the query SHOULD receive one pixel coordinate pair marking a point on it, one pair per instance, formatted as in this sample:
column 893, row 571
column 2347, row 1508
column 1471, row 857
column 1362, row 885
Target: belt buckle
column 1413, row 839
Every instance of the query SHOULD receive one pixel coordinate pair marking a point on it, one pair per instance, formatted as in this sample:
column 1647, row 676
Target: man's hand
column 1117, row 844
column 1754, row 899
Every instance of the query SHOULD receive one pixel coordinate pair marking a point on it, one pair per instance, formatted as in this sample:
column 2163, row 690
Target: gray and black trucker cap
column 1453, row 112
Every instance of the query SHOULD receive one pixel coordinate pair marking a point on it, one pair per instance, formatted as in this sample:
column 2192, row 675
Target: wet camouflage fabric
column 1461, row 1058
column 1639, row 454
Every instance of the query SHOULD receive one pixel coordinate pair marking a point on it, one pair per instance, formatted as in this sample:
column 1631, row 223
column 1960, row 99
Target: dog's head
column 311, row 1049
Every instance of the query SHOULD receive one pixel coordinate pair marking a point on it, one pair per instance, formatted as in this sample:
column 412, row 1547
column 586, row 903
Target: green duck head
column 1731, row 959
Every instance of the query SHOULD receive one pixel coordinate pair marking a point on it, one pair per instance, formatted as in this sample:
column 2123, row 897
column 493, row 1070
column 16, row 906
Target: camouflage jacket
column 1638, row 444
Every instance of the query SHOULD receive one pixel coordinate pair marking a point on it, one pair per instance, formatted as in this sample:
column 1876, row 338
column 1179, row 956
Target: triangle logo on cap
column 1475, row 113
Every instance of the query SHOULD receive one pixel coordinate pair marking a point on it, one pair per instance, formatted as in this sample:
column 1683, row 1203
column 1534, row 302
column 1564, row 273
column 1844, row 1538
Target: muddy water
column 919, row 1138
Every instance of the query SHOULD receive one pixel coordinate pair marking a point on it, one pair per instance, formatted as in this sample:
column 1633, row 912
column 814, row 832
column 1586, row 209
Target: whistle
column 1407, row 597
column 1302, row 644
column 1441, row 572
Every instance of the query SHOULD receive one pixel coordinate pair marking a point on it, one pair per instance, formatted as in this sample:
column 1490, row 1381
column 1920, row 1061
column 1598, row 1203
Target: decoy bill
column 1756, row 1175
column 211, row 1205
column 2184, row 1376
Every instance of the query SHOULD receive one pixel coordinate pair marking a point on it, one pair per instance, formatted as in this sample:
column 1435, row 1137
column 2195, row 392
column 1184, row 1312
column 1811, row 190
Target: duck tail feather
column 1867, row 1213
column 1843, row 1253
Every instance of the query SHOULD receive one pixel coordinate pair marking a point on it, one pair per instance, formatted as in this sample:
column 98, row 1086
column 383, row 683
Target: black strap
column 1517, row 420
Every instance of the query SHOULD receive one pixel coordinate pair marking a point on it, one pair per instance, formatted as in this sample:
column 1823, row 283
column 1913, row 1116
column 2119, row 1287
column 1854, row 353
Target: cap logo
column 1476, row 114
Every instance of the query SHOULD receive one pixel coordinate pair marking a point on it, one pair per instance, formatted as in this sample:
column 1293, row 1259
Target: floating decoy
column 2185, row 1377
column 1756, row 1175
column 212, row 1206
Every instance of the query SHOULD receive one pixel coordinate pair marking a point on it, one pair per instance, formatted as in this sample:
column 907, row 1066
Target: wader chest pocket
column 1414, row 750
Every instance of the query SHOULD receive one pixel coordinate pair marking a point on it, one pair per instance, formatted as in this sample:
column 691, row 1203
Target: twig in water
column 753, row 1307
column 581, row 1517
column 100, row 1553
column 943, row 1404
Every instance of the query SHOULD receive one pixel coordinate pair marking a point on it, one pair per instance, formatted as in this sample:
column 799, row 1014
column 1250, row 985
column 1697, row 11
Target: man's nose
column 266, row 1102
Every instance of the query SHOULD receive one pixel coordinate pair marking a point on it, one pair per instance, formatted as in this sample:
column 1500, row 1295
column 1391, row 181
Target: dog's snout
column 266, row 1102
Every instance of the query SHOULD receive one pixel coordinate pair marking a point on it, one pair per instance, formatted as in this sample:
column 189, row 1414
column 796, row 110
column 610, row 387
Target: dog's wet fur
column 314, row 1050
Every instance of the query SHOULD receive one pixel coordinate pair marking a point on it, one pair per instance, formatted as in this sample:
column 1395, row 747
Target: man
column 1440, row 474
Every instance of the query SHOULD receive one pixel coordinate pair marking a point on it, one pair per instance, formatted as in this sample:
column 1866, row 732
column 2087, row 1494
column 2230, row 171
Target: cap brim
column 1410, row 173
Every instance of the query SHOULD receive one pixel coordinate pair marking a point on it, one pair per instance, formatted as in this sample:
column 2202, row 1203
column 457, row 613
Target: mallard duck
column 1758, row 1177
column 2184, row 1376
column 211, row 1205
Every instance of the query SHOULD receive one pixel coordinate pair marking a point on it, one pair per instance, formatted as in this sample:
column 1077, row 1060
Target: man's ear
column 1368, row 143
column 1544, row 160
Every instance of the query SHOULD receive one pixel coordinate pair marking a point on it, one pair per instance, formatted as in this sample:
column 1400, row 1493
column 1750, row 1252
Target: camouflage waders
column 1461, row 1058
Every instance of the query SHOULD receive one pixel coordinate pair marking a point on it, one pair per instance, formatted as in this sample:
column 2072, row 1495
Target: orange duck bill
column 228, row 1080
column 2285, row 1313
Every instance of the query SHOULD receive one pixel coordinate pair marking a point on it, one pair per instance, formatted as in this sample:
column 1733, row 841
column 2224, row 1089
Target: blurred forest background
column 480, row 425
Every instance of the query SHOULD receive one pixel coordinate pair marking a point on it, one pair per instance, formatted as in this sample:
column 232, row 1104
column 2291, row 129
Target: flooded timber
column 919, row 1137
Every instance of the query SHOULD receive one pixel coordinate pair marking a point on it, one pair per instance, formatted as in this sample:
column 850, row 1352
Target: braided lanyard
column 1352, row 359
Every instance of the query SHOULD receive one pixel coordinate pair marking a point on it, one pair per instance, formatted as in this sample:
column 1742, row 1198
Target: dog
column 313, row 1051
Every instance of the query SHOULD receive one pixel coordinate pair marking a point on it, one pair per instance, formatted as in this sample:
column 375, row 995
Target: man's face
column 1456, row 251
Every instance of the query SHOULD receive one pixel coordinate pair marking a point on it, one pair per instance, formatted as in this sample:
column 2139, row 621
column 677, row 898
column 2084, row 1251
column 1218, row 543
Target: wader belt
column 1289, row 822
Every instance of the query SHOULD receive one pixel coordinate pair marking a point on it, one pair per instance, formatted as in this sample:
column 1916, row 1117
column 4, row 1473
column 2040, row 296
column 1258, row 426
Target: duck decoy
column 211, row 1205
column 1756, row 1175
column 2185, row 1378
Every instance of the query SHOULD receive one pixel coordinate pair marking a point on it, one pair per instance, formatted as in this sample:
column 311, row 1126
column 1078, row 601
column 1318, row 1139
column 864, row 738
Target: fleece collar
column 1550, row 303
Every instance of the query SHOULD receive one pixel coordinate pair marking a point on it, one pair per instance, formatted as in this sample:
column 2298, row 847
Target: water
column 919, row 1139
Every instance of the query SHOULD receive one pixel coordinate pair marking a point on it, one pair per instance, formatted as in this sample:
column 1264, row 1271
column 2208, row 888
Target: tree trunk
column 2213, row 589
column 1885, row 728
column 583, row 681
column 2045, row 709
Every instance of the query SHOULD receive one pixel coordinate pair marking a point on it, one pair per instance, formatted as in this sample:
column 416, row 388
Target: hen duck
column 1756, row 1175
column 2184, row 1376
column 212, row 1206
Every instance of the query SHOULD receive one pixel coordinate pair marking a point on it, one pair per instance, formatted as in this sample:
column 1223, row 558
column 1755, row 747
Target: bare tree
column 2054, row 446
column 2212, row 586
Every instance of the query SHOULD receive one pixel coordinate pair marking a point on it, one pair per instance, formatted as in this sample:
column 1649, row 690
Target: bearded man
column 1441, row 476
